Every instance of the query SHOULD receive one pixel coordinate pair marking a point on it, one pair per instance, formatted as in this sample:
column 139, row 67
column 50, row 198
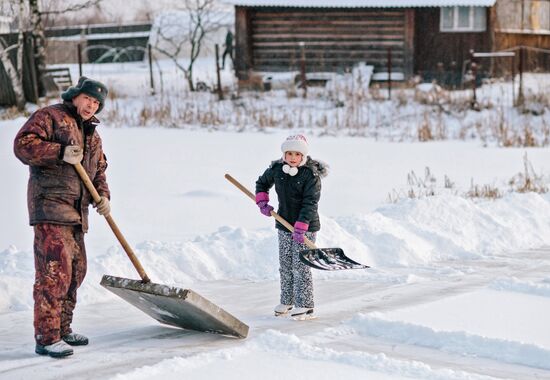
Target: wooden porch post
column 408, row 59
column 243, row 48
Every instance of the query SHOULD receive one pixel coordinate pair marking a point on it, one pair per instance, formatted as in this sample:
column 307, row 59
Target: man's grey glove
column 73, row 154
column 104, row 206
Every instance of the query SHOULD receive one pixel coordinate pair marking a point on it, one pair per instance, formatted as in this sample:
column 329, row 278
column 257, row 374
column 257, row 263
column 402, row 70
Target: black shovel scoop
column 318, row 258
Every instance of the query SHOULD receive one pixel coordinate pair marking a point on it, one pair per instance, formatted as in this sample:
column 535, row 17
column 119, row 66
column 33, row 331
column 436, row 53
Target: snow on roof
column 362, row 3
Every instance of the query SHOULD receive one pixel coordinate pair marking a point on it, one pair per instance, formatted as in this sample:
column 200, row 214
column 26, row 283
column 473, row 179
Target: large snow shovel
column 318, row 258
column 169, row 305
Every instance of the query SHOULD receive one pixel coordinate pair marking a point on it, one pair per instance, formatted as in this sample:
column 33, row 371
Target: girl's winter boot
column 282, row 309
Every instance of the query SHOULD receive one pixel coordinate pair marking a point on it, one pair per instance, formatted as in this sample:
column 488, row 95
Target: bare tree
column 79, row 6
column 185, row 32
column 15, row 79
column 39, row 36
column 15, row 73
column 21, row 39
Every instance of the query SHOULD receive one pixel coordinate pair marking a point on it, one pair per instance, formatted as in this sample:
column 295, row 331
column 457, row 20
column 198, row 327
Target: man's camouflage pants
column 60, row 264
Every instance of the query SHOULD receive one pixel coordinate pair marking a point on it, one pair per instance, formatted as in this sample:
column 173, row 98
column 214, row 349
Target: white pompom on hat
column 296, row 143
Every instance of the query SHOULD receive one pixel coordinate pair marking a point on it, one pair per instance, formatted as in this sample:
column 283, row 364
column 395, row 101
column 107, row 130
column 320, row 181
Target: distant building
column 424, row 37
column 99, row 43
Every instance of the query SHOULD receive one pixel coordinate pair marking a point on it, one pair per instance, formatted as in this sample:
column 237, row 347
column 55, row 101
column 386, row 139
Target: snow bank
column 261, row 355
column 455, row 342
column 16, row 279
column 411, row 233
column 229, row 253
column 528, row 287
column 446, row 227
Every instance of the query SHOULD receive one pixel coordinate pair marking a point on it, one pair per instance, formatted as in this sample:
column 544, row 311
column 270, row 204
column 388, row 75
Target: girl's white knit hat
column 295, row 143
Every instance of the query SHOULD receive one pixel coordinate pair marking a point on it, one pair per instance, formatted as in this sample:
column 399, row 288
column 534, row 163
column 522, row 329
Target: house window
column 463, row 19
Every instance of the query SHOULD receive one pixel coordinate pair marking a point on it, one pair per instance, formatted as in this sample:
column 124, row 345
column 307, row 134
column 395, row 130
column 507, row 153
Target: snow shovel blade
column 177, row 307
column 318, row 258
column 329, row 259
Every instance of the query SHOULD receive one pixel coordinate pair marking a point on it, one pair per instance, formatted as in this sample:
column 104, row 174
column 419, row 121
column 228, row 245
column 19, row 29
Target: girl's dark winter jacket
column 298, row 195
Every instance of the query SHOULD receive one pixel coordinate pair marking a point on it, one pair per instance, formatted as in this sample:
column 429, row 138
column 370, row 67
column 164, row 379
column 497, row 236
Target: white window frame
column 455, row 28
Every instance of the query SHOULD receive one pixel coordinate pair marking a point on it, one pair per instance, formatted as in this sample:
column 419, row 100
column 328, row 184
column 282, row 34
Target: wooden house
column 424, row 37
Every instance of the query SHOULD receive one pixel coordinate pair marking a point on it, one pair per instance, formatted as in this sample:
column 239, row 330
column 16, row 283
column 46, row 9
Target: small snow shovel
column 173, row 306
column 318, row 258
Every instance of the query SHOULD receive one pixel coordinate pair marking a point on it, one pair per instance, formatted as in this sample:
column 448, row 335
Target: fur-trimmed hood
column 318, row 167
column 298, row 193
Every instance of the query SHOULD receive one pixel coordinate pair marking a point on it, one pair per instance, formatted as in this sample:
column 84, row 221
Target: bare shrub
column 435, row 95
column 418, row 187
column 376, row 94
column 12, row 113
column 502, row 130
column 426, row 186
column 506, row 134
column 483, row 191
column 535, row 103
column 529, row 139
column 265, row 118
column 254, row 82
column 434, row 114
column 545, row 133
column 402, row 98
column 425, row 129
column 291, row 92
column 113, row 92
column 528, row 181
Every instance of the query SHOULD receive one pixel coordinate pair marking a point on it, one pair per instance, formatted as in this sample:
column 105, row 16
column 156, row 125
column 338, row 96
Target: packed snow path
column 123, row 339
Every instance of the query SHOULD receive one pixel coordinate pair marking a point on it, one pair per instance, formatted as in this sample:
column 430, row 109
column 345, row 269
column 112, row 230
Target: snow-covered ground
column 454, row 292
column 459, row 288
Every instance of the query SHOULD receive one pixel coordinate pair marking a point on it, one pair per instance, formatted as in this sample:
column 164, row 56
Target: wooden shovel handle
column 97, row 198
column 279, row 218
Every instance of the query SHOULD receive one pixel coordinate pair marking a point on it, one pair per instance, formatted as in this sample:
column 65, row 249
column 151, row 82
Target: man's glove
column 104, row 206
column 300, row 228
column 262, row 200
column 73, row 154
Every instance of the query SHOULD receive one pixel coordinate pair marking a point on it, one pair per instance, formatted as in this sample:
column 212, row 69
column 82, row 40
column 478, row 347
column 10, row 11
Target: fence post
column 474, row 78
column 513, row 60
column 389, row 72
column 151, row 69
column 521, row 98
column 34, row 76
column 303, row 67
column 220, row 93
column 79, row 52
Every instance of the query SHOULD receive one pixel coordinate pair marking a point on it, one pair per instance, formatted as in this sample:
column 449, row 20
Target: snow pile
column 261, row 355
column 356, row 82
column 229, row 253
column 411, row 233
column 16, row 279
column 516, row 285
column 450, row 227
column 455, row 342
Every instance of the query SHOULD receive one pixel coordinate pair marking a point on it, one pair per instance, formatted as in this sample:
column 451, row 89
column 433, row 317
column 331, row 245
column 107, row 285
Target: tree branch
column 73, row 8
